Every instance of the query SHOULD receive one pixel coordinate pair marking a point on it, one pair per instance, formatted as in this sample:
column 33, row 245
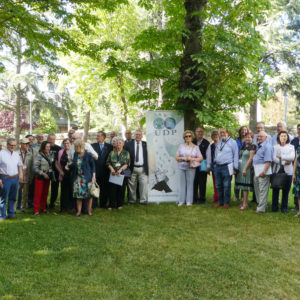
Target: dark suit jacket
column 295, row 143
column 101, row 168
column 203, row 146
column 130, row 148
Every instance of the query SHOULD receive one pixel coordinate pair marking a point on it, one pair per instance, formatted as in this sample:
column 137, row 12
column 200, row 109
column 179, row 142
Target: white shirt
column 88, row 147
column 287, row 153
column 141, row 157
column 9, row 162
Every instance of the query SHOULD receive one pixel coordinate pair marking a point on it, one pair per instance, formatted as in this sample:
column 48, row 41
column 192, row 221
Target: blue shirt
column 264, row 153
column 227, row 152
column 240, row 144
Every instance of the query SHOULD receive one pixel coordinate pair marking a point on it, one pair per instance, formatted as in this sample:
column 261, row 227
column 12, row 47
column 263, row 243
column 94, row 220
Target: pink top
column 186, row 151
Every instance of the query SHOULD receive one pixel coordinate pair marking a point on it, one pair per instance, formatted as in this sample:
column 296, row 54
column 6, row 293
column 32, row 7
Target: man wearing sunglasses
column 10, row 173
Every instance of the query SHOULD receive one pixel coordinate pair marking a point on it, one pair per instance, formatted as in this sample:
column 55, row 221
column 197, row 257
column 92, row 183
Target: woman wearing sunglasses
column 189, row 157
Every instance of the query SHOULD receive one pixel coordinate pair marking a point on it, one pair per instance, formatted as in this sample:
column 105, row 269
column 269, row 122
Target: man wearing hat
column 26, row 157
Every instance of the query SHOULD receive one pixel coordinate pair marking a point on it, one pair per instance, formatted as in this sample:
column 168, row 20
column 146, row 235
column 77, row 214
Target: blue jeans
column 223, row 184
column 9, row 191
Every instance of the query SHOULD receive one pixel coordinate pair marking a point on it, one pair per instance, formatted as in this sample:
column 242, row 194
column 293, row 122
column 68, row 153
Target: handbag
column 279, row 180
column 193, row 163
column 94, row 190
column 126, row 173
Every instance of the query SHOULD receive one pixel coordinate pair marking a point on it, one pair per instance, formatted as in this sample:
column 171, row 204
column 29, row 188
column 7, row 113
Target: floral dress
column 296, row 189
column 81, row 188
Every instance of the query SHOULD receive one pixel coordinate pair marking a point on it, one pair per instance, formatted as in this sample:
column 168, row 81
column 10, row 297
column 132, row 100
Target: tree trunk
column 86, row 125
column 253, row 116
column 189, row 70
column 17, row 115
column 123, row 101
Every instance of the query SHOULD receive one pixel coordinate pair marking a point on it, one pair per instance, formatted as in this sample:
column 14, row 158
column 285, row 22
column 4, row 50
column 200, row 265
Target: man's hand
column 262, row 174
column 45, row 176
column 1, row 184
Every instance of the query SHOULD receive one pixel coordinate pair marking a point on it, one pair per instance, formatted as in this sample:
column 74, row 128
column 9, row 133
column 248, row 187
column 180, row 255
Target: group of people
column 27, row 174
column 117, row 165
column 254, row 159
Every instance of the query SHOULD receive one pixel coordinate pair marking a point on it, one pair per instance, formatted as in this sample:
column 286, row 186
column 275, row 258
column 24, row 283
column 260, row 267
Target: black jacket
column 203, row 146
column 101, row 167
column 130, row 148
column 295, row 143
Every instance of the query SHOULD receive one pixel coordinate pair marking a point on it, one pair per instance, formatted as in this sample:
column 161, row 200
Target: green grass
column 152, row 252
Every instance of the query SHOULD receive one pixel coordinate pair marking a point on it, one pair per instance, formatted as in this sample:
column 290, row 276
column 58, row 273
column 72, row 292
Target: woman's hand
column 94, row 177
column 45, row 176
column 294, row 179
column 113, row 172
column 118, row 173
column 278, row 156
column 288, row 163
column 61, row 173
column 67, row 168
column 244, row 172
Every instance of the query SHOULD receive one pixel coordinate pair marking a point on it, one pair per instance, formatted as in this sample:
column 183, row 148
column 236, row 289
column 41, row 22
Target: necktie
column 137, row 152
column 101, row 147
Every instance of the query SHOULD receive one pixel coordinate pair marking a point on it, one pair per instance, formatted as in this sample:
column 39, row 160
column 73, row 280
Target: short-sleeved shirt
column 264, row 153
column 114, row 159
column 186, row 151
column 9, row 162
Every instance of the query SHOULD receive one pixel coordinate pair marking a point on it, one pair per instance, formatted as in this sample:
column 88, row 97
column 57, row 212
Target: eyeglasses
column 188, row 136
column 12, row 145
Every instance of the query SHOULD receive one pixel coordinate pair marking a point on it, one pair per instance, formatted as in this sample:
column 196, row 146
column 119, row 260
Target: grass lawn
column 152, row 252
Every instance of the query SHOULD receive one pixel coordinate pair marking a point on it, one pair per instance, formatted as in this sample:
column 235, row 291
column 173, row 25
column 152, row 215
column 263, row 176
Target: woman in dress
column 244, row 178
column 64, row 159
column 84, row 172
column 118, row 161
column 42, row 168
column 283, row 154
column 296, row 179
column 241, row 142
column 186, row 154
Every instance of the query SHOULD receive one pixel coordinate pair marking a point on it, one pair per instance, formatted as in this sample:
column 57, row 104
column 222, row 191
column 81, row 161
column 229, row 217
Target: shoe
column 284, row 211
column 189, row 204
column 225, row 206
column 2, row 220
column 45, row 211
column 297, row 215
column 259, row 212
column 12, row 217
column 294, row 209
column 109, row 208
column 22, row 211
column 144, row 203
column 36, row 214
column 180, row 204
column 243, row 207
column 212, row 201
column 120, row 207
column 217, row 205
column 90, row 214
column 77, row 215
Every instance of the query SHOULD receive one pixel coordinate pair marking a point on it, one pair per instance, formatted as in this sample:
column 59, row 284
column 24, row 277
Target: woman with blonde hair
column 189, row 157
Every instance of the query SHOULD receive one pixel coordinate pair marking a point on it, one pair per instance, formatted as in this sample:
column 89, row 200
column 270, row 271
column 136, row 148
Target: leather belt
column 6, row 176
column 222, row 165
column 138, row 166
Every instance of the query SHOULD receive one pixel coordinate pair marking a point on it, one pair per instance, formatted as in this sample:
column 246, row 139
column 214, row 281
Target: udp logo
column 164, row 127
column 170, row 123
column 158, row 123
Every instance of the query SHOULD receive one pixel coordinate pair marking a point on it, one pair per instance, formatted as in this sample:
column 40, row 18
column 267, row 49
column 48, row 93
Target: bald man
column 262, row 171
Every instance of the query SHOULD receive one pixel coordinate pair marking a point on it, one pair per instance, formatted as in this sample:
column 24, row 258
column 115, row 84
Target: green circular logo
column 158, row 123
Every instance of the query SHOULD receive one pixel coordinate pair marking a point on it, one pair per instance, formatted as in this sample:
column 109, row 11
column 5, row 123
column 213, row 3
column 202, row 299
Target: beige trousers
column 261, row 187
column 25, row 189
column 138, row 176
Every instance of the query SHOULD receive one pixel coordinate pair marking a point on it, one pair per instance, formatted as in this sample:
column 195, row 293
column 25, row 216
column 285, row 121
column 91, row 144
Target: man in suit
column 102, row 173
column 296, row 143
column 201, row 176
column 128, row 136
column 139, row 168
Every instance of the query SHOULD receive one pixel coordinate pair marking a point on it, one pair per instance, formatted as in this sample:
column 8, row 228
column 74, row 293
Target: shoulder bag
column 279, row 180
